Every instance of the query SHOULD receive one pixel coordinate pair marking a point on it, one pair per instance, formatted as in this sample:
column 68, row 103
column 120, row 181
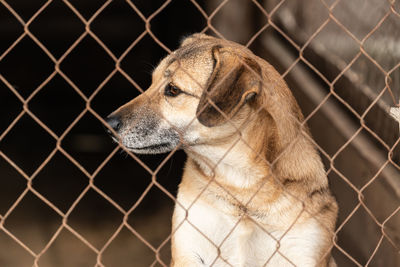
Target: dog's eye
column 172, row 90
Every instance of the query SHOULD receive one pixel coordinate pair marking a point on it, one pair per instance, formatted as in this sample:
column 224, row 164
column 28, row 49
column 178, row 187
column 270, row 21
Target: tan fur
column 254, row 190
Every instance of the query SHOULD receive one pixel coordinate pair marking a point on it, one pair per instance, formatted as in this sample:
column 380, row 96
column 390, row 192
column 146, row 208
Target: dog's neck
column 254, row 154
column 234, row 162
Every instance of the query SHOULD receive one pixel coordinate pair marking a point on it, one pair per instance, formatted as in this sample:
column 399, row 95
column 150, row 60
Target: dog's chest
column 214, row 238
column 239, row 228
column 211, row 232
column 210, row 237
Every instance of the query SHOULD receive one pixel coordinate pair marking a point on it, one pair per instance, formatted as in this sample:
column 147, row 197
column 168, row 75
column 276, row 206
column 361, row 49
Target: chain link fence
column 335, row 69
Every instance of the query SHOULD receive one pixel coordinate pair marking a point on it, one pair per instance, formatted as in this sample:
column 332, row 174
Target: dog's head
column 207, row 83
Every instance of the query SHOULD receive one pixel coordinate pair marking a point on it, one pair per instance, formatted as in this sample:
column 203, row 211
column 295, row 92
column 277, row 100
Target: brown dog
column 254, row 191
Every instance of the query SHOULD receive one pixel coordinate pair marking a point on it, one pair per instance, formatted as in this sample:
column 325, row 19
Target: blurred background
column 70, row 197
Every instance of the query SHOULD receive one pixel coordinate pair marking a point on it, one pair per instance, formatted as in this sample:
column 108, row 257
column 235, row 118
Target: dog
column 254, row 191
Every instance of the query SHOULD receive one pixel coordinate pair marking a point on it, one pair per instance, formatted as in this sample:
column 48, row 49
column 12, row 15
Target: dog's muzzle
column 145, row 134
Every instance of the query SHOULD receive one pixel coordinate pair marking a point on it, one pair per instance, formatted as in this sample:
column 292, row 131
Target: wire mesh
column 25, row 102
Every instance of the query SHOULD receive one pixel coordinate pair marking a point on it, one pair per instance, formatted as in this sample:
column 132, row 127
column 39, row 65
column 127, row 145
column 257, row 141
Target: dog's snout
column 115, row 122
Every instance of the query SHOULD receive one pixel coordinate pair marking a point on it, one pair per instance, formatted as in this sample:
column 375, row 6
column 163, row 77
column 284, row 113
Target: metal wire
column 25, row 102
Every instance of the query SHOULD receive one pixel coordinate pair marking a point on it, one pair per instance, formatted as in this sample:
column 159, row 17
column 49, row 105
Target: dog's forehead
column 191, row 57
column 194, row 60
column 196, row 52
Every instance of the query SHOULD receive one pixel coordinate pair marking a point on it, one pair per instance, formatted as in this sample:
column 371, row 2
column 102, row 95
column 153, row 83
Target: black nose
column 115, row 122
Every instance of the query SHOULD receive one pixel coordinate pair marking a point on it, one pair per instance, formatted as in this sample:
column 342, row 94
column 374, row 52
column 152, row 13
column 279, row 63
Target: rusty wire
column 154, row 183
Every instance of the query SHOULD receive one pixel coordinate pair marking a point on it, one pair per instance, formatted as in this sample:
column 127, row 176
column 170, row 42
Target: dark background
column 58, row 105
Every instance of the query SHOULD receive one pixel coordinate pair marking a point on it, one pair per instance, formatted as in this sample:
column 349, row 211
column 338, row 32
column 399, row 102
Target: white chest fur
column 207, row 237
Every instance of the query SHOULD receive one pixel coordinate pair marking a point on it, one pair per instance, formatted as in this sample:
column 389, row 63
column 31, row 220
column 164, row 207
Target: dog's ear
column 235, row 80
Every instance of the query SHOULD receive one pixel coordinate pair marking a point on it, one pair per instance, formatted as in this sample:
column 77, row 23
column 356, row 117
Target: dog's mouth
column 152, row 147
